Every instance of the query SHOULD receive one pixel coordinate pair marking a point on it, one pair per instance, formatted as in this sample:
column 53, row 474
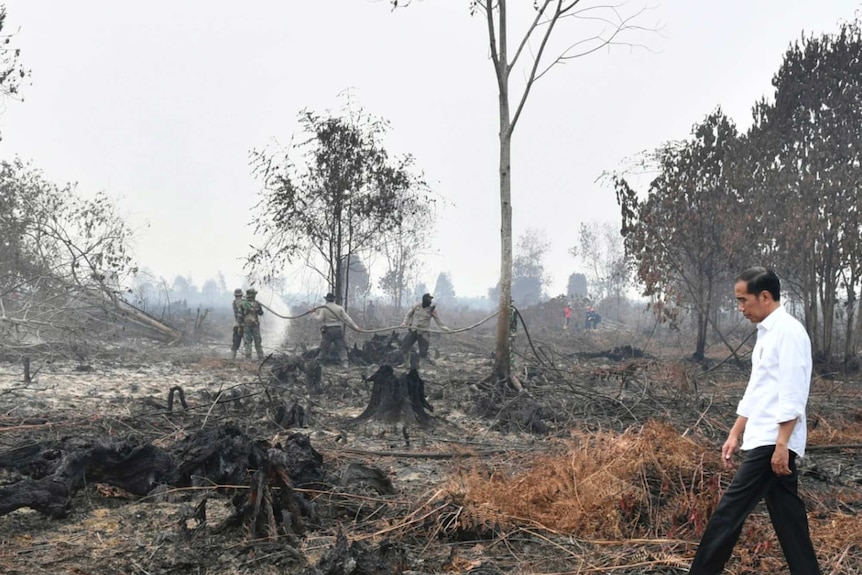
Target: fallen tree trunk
column 143, row 319
column 135, row 468
column 53, row 472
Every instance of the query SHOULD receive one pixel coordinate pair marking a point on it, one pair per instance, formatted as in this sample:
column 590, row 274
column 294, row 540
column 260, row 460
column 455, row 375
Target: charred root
column 271, row 507
column 388, row 558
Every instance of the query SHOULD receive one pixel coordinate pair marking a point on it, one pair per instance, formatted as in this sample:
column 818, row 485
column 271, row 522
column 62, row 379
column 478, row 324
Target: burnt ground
column 605, row 463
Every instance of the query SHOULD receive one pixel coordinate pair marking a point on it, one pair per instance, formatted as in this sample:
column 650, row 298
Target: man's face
column 755, row 307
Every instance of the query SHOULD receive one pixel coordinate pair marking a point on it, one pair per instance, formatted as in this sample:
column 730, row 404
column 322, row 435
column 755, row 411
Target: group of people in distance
column 592, row 319
column 333, row 318
column 246, row 328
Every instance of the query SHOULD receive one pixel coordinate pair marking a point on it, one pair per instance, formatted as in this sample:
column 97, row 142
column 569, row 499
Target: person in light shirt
column 771, row 426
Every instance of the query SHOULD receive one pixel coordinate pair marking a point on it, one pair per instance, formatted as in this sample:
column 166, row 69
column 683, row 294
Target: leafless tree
column 543, row 42
column 601, row 251
column 63, row 260
column 405, row 243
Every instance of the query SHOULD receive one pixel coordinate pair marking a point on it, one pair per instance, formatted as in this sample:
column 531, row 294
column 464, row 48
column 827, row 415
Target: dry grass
column 645, row 482
column 835, row 431
column 648, row 484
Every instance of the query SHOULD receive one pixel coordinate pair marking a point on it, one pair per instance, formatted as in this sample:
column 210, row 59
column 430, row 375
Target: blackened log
column 46, row 496
column 134, row 468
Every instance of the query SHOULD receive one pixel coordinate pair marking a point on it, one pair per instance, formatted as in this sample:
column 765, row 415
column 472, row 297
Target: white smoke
column 273, row 330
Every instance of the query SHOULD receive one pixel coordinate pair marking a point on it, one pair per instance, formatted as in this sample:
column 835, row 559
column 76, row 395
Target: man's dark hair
column 758, row 279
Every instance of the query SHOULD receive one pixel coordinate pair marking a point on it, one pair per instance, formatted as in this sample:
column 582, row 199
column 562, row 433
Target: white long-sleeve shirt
column 777, row 390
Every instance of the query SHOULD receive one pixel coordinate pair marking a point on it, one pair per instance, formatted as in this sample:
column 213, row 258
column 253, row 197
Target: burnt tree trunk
column 52, row 472
column 57, row 471
column 397, row 399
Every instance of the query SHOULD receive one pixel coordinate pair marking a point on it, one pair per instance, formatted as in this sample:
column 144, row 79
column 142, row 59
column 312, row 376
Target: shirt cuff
column 787, row 414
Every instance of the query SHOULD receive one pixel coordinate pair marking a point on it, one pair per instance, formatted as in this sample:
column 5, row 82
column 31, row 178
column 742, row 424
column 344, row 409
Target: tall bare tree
column 534, row 46
column 539, row 48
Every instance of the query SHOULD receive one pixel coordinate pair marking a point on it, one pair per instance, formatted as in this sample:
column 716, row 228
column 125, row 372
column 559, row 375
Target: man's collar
column 770, row 320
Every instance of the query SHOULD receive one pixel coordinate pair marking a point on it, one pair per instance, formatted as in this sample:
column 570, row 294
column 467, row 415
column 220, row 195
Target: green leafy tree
column 577, row 286
column 529, row 278
column 418, row 291
column 329, row 197
column 183, row 288
column 358, row 281
column 528, row 275
column 210, row 292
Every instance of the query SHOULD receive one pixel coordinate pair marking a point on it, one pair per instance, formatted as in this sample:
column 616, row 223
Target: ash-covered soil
column 389, row 498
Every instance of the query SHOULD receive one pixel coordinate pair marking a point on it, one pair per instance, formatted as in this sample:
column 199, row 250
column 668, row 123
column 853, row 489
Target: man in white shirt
column 772, row 415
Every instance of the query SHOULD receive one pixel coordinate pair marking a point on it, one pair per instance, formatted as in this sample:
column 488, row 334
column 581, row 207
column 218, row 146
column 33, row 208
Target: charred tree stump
column 293, row 416
column 511, row 413
column 380, row 349
column 397, row 399
column 287, row 370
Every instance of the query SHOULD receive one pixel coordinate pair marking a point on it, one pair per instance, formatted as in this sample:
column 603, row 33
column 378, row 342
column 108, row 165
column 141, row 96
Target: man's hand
column 446, row 328
column 728, row 449
column 781, row 461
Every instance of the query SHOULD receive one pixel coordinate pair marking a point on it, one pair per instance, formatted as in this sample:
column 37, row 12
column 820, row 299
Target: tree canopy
column 786, row 194
column 332, row 195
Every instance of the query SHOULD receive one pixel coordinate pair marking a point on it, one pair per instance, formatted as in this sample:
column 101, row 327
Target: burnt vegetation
column 258, row 472
column 129, row 443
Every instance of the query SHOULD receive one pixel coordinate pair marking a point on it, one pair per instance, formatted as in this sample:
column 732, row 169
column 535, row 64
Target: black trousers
column 412, row 337
column 332, row 336
column 755, row 480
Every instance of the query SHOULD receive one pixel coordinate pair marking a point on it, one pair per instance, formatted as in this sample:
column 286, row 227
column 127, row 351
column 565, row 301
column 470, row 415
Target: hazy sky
column 158, row 103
